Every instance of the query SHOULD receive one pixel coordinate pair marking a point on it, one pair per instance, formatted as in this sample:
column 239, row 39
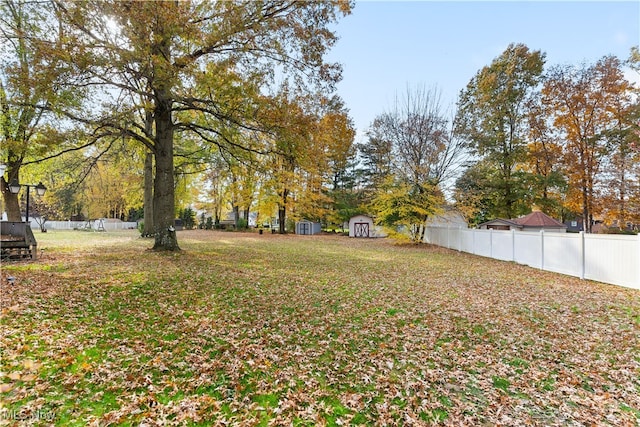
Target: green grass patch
column 501, row 383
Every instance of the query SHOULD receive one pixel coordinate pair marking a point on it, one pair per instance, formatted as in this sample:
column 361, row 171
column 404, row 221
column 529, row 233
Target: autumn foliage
column 561, row 138
column 248, row 329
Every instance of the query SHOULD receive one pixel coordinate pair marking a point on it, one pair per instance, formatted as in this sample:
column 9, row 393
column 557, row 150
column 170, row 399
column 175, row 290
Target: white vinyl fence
column 605, row 258
column 96, row 225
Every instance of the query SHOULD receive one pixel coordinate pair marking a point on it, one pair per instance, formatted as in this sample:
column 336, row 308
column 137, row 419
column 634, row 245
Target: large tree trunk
column 164, row 191
column 11, row 201
column 147, row 230
column 236, row 215
column 282, row 211
column 422, row 231
column 282, row 216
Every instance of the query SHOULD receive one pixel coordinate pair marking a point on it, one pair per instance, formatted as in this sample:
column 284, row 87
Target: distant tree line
column 229, row 109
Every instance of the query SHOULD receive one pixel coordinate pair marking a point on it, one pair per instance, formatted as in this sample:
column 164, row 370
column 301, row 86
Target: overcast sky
column 387, row 46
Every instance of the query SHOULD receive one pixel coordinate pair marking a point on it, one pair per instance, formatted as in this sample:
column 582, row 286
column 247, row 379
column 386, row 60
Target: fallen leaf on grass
column 29, row 377
column 31, row 365
column 6, row 387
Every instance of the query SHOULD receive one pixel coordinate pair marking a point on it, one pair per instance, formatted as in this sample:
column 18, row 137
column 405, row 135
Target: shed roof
column 307, row 221
column 365, row 215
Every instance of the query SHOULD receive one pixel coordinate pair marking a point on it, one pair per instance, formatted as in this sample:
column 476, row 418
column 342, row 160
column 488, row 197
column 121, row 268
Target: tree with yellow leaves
column 402, row 208
column 155, row 56
column 37, row 90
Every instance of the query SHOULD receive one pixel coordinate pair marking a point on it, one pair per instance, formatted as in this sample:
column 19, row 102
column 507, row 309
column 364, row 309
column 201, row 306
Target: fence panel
column 528, row 248
column 441, row 237
column 482, row 243
column 606, row 258
column 613, row 259
column 466, row 239
column 430, row 235
column 563, row 253
column 502, row 245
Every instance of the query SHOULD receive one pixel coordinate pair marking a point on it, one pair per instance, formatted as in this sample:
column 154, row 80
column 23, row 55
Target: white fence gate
column 605, row 258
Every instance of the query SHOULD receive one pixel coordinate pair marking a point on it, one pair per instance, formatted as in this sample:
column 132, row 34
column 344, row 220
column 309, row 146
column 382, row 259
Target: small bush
column 242, row 224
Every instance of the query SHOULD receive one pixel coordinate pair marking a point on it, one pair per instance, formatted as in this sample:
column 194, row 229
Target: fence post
column 473, row 242
column 460, row 239
column 541, row 249
column 583, row 256
column 513, row 245
column 491, row 243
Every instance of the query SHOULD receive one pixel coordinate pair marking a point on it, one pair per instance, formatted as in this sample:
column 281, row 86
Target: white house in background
column 363, row 226
column 448, row 218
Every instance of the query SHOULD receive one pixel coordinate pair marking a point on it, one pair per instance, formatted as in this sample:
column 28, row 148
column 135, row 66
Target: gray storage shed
column 308, row 227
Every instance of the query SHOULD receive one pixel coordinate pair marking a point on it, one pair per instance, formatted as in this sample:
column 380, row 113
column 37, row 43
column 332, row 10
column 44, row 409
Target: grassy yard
column 248, row 329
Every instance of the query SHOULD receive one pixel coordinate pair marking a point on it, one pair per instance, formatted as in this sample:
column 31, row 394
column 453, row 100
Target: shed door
column 304, row 228
column 361, row 229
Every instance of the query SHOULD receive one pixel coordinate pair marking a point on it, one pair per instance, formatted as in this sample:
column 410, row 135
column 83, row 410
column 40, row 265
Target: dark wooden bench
column 17, row 241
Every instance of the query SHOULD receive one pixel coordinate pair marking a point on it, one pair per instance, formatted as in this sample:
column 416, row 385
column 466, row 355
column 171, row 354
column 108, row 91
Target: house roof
column 448, row 215
column 535, row 219
column 538, row 219
column 501, row 221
